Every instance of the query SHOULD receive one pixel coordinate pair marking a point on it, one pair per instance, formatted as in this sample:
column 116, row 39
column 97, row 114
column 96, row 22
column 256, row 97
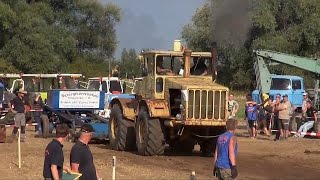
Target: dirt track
column 258, row 159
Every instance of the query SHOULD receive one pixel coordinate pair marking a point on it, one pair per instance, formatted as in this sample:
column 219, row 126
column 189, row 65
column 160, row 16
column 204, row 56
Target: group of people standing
column 278, row 112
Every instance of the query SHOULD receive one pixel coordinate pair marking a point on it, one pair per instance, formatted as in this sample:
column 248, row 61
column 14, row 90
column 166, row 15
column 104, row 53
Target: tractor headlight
column 179, row 117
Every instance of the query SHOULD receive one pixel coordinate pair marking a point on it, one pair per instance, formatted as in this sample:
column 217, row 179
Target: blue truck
column 293, row 86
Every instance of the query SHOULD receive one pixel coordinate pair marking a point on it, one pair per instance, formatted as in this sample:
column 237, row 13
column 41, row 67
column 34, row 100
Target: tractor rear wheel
column 121, row 131
column 45, row 126
column 149, row 135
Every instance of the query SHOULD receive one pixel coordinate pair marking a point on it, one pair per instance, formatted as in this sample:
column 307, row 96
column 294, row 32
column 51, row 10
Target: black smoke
column 230, row 22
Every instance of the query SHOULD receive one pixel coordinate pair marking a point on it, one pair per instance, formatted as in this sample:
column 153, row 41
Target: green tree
column 286, row 26
column 45, row 36
column 129, row 63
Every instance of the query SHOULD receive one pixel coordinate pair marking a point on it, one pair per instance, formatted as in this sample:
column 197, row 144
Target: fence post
column 113, row 167
column 19, row 148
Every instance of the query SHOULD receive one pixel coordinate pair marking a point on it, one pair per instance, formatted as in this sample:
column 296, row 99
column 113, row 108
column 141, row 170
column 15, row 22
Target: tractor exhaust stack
column 187, row 57
column 214, row 63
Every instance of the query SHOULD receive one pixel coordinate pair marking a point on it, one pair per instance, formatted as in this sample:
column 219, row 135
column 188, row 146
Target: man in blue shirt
column 252, row 115
column 226, row 153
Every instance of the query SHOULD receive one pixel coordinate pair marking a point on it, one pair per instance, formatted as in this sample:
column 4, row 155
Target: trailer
column 74, row 107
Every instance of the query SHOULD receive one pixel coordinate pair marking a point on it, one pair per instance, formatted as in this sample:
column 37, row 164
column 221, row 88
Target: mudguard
column 127, row 105
column 156, row 107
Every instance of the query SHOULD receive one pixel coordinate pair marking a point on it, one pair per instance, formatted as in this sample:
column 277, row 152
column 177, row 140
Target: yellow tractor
column 177, row 103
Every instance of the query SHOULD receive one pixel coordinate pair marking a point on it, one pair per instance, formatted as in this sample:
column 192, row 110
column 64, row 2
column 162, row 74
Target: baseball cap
column 87, row 128
column 305, row 94
column 285, row 95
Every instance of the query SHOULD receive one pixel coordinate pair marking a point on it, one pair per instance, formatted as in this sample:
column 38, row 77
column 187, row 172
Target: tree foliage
column 46, row 36
column 286, row 26
column 129, row 64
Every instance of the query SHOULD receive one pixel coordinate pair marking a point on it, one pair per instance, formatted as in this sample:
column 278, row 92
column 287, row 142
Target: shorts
column 224, row 174
column 252, row 123
column 262, row 123
column 283, row 124
column 19, row 120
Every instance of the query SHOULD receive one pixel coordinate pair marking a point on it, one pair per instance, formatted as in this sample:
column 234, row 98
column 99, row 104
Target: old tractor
column 173, row 105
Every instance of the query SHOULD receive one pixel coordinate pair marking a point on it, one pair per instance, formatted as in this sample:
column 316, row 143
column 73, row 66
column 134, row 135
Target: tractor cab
column 108, row 85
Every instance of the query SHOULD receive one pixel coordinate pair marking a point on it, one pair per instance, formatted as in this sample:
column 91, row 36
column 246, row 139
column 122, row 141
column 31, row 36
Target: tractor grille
column 207, row 104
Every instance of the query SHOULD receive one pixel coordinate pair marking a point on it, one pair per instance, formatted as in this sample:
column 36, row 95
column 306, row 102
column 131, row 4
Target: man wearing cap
column 81, row 158
column 284, row 117
column 19, row 114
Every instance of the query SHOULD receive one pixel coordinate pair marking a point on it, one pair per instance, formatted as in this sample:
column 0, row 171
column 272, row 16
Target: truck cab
column 293, row 86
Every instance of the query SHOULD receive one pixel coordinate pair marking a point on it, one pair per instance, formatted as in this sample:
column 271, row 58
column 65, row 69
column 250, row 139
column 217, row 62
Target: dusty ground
column 258, row 159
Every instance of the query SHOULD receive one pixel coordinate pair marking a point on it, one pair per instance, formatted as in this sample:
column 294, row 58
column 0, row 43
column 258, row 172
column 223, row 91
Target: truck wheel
column 45, row 126
column 121, row 131
column 149, row 135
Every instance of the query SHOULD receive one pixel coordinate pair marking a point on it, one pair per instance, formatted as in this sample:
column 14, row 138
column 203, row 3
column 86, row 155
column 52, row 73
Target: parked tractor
column 172, row 106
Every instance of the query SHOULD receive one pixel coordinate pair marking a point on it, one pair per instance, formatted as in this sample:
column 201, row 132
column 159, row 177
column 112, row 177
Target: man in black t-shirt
column 310, row 120
column 17, row 107
column 199, row 67
column 53, row 160
column 81, row 158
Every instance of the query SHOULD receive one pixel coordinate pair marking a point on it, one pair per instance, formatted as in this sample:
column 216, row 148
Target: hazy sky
column 152, row 23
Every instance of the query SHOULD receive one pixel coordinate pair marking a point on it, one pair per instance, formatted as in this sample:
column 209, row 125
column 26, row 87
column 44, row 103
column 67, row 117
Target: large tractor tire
column 149, row 135
column 45, row 126
column 121, row 131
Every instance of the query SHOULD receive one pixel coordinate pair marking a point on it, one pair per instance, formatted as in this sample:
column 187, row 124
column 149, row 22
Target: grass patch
column 240, row 97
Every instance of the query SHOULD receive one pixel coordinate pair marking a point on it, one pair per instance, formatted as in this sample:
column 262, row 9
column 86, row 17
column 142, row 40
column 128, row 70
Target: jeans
column 36, row 117
column 305, row 128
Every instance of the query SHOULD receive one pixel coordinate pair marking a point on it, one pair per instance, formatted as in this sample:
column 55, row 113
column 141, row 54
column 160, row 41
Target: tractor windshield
column 115, row 87
column 67, row 82
column 31, row 84
column 94, row 85
column 174, row 65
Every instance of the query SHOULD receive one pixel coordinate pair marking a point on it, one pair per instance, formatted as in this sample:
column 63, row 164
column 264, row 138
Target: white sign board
column 79, row 99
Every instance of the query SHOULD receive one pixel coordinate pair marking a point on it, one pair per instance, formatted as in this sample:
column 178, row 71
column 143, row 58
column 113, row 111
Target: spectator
column 199, row 67
column 115, row 71
column 226, row 153
column 269, row 108
column 81, row 158
column 310, row 120
column 37, row 106
column 304, row 104
column 251, row 116
column 233, row 106
column 54, row 158
column 249, row 99
column 19, row 114
column 262, row 120
column 284, row 115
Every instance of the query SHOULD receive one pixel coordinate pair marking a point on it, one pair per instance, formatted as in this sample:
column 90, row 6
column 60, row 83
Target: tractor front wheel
column 121, row 131
column 149, row 135
column 45, row 126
